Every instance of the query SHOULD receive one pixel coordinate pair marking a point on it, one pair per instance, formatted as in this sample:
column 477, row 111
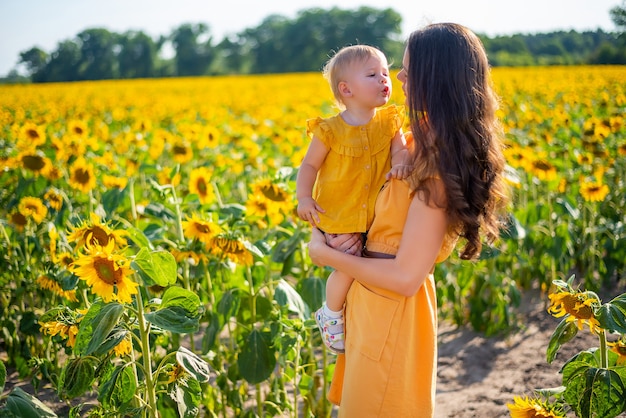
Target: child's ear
column 344, row 89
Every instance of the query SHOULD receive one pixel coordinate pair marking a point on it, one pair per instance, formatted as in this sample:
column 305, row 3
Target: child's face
column 368, row 83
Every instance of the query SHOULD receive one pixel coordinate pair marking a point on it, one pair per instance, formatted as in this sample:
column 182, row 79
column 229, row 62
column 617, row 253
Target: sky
column 44, row 23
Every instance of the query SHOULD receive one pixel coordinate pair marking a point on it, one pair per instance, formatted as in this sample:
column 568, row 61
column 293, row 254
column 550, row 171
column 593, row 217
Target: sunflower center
column 273, row 192
column 543, row 165
column 98, row 236
column 107, row 271
column 202, row 228
column 179, row 149
column 202, row 187
column 583, row 312
column 33, row 162
column 82, row 176
column 32, row 134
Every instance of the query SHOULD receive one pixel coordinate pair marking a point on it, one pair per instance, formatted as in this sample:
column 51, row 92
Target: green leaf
column 612, row 315
column 187, row 394
column 77, row 377
column 25, row 405
column 119, row 389
column 102, row 325
column 256, row 360
column 313, row 291
column 159, row 266
column 186, row 299
column 193, row 364
column 228, row 305
column 563, row 333
column 85, row 329
column 284, row 249
column 3, row 376
column 211, row 331
column 112, row 198
column 286, row 295
column 174, row 319
column 138, row 237
column 112, row 340
column 592, row 391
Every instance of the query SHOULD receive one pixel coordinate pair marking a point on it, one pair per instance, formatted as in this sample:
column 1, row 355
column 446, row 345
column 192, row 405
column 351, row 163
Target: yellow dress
column 389, row 367
column 354, row 170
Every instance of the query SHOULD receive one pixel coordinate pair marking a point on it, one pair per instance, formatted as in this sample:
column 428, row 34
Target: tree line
column 279, row 44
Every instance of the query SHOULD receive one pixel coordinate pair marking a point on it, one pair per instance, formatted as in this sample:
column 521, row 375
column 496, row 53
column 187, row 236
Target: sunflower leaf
column 158, row 266
column 193, row 364
column 563, row 333
column 256, row 360
column 612, row 315
column 102, row 325
column 22, row 404
column 119, row 389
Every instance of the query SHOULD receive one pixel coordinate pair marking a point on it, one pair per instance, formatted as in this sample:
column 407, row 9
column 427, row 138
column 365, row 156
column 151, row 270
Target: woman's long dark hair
column 458, row 137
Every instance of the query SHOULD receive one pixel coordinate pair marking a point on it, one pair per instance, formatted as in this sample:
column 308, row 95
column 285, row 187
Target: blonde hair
column 335, row 69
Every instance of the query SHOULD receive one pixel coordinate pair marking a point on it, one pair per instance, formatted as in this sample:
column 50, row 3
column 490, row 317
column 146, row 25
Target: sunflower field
column 151, row 258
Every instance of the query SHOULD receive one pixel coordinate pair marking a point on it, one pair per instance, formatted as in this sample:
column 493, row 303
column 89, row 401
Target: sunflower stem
column 144, row 331
column 133, row 204
column 603, row 350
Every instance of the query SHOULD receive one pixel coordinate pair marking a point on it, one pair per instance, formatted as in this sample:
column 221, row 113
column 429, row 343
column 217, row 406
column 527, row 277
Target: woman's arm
column 422, row 237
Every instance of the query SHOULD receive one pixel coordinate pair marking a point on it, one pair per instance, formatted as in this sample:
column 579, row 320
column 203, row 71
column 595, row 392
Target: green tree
column 98, row 59
column 193, row 56
column 137, row 56
column 35, row 59
column 63, row 65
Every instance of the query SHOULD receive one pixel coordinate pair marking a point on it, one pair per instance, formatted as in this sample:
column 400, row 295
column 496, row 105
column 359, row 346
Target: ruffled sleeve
column 320, row 128
column 394, row 116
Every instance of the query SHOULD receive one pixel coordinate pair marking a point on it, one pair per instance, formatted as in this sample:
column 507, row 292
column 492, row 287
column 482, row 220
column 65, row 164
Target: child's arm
column 311, row 163
column 400, row 158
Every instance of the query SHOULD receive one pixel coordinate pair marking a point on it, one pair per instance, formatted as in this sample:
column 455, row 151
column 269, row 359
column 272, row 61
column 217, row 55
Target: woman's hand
column 317, row 245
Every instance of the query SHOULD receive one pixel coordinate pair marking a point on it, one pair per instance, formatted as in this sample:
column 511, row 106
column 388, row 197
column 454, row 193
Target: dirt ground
column 478, row 376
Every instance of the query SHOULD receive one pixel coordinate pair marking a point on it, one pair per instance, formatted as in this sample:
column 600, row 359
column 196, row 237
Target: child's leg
column 337, row 287
column 330, row 316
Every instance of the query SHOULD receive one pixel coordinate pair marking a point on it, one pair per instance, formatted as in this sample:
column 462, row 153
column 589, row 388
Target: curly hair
column 457, row 136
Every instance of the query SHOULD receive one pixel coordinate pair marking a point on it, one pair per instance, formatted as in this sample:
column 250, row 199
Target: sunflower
column 124, row 347
column 174, row 373
column 33, row 207
column 113, row 182
column 593, row 191
column 64, row 330
column 82, row 176
column 96, row 232
column 52, row 285
column 543, row 170
column 200, row 229
column 208, row 137
column 272, row 191
column 34, row 161
column 621, row 149
column 18, row 220
column 517, row 156
column 200, row 184
column 106, row 272
column 31, row 136
column 191, row 257
column 182, row 152
column 54, row 199
column 534, row 408
column 165, row 176
column 579, row 308
column 78, row 128
column 259, row 207
column 619, row 348
column 233, row 248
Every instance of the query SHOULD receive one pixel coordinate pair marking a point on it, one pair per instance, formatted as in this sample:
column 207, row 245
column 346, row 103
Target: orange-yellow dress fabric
column 354, row 170
column 389, row 366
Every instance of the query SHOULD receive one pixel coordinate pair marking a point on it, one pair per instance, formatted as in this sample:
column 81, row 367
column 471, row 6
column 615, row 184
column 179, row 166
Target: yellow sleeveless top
column 354, row 170
column 389, row 366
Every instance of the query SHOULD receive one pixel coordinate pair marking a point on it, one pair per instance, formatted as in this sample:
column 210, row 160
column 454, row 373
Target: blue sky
column 44, row 23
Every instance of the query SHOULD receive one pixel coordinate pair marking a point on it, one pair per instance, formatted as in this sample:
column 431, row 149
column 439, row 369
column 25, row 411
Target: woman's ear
column 344, row 89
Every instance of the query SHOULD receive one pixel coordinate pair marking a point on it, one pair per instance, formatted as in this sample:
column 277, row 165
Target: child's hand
column 308, row 209
column 399, row 171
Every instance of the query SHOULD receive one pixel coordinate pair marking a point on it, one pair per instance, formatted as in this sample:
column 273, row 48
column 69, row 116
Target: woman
column 456, row 190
